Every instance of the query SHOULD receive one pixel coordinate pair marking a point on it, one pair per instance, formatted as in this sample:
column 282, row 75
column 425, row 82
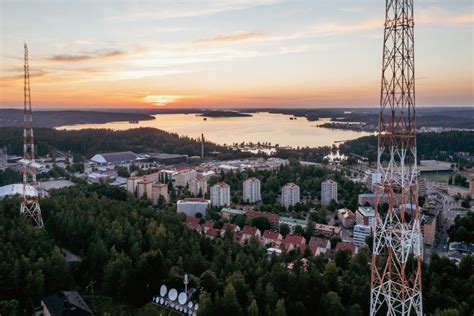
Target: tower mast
column 397, row 249
column 30, row 207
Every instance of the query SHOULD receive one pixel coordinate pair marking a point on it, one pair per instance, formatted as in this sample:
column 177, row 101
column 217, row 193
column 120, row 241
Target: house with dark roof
column 63, row 303
column 346, row 246
column 319, row 246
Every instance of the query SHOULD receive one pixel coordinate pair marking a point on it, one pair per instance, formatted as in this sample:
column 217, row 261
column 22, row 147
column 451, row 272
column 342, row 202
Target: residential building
column 328, row 192
column 183, row 177
column 158, row 189
column 346, row 246
column 293, row 222
column 246, row 233
column 230, row 213
column 274, row 219
column 132, row 183
column 294, row 241
column 428, row 229
column 192, row 206
column 361, row 232
column 319, row 246
column 232, row 227
column 251, row 190
column 365, row 215
column 220, row 194
column 290, row 195
column 144, row 186
column 327, row 231
column 272, row 237
column 373, row 177
column 198, row 185
column 192, row 222
column 346, row 217
column 63, row 303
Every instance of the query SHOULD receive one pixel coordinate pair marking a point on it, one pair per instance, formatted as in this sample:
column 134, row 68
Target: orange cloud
column 233, row 37
column 87, row 56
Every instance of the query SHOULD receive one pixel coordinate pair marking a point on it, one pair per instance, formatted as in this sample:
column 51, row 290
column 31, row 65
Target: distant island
column 43, row 118
column 217, row 113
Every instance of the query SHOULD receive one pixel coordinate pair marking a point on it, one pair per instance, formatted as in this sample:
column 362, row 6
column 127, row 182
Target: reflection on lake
column 261, row 127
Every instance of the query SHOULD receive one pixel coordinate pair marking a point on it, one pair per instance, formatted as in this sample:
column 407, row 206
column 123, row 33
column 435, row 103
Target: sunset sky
column 239, row 53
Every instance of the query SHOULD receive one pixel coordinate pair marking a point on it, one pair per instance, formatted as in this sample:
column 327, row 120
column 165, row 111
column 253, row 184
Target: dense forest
column 88, row 142
column 463, row 229
column 129, row 249
column 429, row 145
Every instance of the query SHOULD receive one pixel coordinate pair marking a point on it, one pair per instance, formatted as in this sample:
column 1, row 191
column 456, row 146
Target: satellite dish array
column 180, row 303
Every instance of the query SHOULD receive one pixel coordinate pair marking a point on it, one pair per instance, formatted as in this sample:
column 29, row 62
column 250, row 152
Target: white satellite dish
column 163, row 290
column 196, row 306
column 190, row 304
column 161, row 301
column 182, row 298
column 176, row 307
column 173, row 294
column 190, row 312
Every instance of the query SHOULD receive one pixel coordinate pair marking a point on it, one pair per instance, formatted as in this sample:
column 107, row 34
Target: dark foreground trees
column 129, row 250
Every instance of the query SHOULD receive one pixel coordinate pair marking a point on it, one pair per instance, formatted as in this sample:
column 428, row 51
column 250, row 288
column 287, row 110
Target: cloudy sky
column 226, row 53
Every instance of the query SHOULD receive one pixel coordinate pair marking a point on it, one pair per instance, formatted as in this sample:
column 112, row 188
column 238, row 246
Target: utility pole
column 202, row 146
column 395, row 278
column 30, row 207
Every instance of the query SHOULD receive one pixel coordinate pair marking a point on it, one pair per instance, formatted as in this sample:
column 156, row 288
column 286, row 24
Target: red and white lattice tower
column 397, row 248
column 30, row 207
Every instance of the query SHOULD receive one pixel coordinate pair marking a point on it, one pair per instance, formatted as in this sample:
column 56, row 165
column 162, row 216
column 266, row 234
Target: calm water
column 261, row 127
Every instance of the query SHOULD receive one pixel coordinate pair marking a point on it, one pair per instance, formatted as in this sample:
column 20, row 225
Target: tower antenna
column 30, row 207
column 395, row 277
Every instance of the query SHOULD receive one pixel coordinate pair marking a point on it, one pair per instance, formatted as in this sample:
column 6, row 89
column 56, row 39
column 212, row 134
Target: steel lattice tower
column 30, row 207
column 397, row 249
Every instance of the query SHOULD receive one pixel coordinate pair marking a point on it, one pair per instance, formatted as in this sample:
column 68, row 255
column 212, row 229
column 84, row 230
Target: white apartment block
column 328, row 191
column 183, row 177
column 220, row 194
column 198, row 185
column 192, row 206
column 361, row 232
column 290, row 195
column 251, row 190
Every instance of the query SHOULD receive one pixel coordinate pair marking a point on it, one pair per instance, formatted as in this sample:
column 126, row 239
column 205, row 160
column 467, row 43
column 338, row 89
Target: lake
column 261, row 127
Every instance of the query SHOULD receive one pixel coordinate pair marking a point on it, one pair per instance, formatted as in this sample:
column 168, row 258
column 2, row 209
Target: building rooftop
column 221, row 185
column 290, row 185
column 193, row 200
column 116, row 157
column 345, row 246
column 366, row 211
column 232, row 211
column 293, row 220
column 271, row 234
column 66, row 303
